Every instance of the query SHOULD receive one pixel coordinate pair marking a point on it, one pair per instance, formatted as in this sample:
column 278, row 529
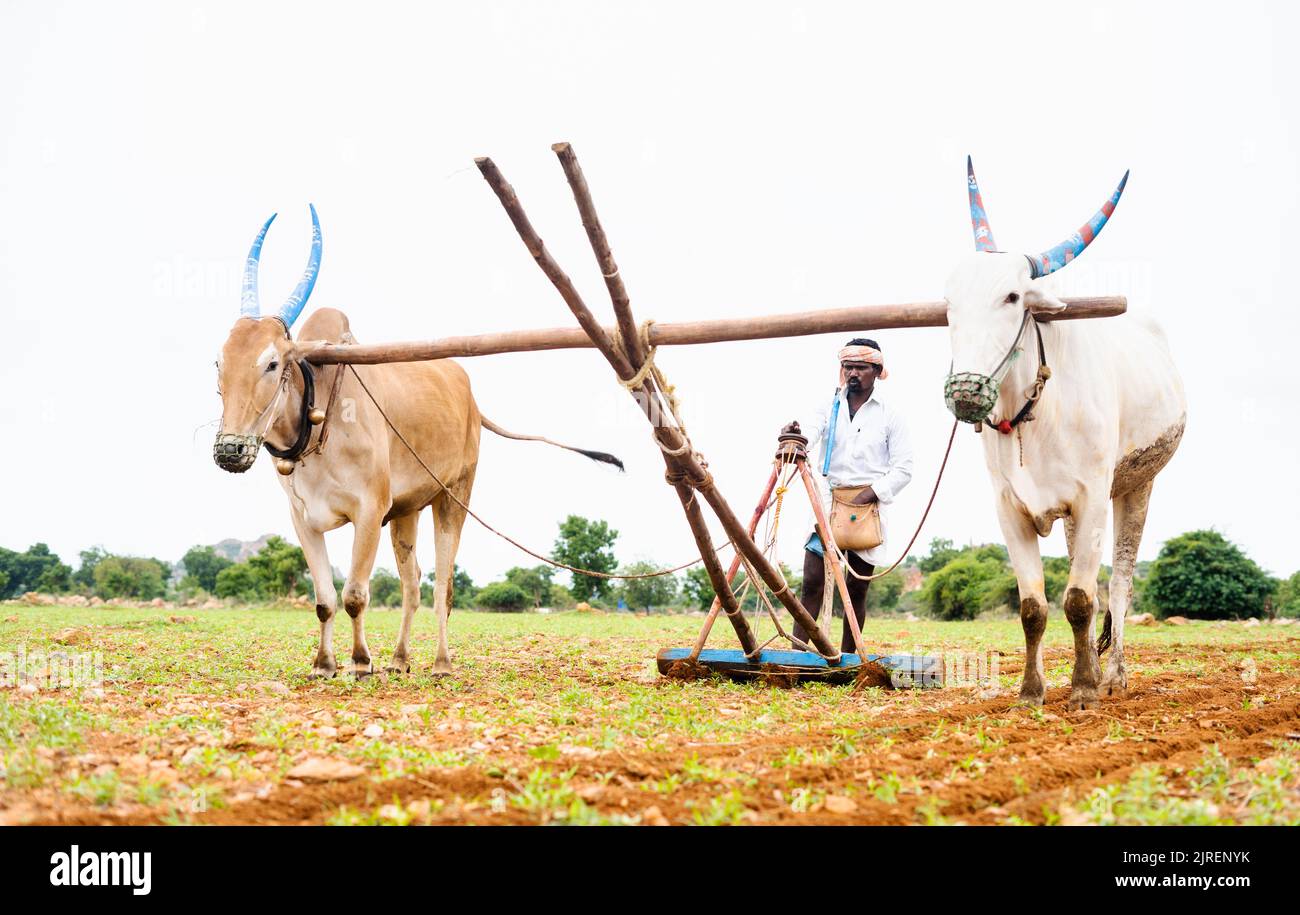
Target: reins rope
column 926, row 514
column 469, row 511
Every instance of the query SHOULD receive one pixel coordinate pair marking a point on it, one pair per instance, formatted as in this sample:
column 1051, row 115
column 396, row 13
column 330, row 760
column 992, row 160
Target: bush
column 941, row 553
column 130, row 577
column 463, row 592
column 561, row 598
column 202, row 563
column 1201, row 574
column 241, row 582
column 884, row 592
column 503, row 596
column 1286, row 601
column 535, row 581
column 965, row 586
column 385, row 589
column 280, row 566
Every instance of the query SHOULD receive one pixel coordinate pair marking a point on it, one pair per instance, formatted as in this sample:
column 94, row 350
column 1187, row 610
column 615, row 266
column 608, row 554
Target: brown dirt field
column 519, row 752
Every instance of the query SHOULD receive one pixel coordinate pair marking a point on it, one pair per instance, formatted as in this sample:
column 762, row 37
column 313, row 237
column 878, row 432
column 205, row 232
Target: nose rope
column 275, row 401
column 971, row 396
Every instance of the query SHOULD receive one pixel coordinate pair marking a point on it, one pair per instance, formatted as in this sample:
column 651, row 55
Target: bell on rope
column 284, row 465
column 316, row 416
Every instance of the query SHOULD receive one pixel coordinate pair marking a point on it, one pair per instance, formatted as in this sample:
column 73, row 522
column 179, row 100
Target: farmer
column 868, row 447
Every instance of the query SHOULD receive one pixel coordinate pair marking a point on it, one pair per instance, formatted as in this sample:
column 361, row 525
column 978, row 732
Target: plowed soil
column 562, row 719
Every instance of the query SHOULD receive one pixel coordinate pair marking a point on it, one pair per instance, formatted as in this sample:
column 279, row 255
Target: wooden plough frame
column 622, row 347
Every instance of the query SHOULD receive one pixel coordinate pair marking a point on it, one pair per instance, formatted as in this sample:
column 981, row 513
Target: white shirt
column 873, row 448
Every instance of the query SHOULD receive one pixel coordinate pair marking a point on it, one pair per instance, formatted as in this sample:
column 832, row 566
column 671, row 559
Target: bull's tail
column 1103, row 640
column 601, row 456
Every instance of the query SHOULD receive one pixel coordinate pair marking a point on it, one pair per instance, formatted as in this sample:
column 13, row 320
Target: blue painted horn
column 1053, row 258
column 249, row 304
column 249, row 307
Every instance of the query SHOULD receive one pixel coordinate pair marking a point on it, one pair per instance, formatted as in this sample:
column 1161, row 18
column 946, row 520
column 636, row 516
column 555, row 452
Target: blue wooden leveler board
column 903, row 670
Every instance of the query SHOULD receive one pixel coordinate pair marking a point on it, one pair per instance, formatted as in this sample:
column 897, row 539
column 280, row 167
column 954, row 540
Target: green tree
column 129, row 577
column 55, row 579
column 85, row 574
column 647, row 593
column 587, row 544
column 1286, row 600
column 534, row 581
column 1202, row 574
column 966, row 585
column 280, row 566
column 884, row 592
column 697, row 589
column 463, row 592
column 27, row 571
column 1056, row 573
column 502, row 595
column 203, row 564
column 240, row 581
column 385, row 589
column 941, row 553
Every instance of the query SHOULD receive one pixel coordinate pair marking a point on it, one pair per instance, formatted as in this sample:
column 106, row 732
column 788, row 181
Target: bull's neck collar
column 300, row 430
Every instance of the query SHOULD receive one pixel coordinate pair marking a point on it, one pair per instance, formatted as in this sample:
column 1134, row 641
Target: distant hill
column 239, row 550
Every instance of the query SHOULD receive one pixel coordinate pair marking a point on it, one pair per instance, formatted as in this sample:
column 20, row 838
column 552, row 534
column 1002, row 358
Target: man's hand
column 791, row 428
column 866, row 497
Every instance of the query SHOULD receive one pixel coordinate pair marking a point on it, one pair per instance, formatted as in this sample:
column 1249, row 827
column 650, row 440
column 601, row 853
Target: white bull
column 1108, row 421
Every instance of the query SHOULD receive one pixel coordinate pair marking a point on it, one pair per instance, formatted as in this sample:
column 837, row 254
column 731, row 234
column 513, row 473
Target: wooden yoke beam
column 861, row 318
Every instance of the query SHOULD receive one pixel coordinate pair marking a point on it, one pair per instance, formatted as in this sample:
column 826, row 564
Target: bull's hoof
column 1114, row 684
column 1032, row 692
column 361, row 670
column 1082, row 699
column 323, row 669
column 397, row 667
column 442, row 667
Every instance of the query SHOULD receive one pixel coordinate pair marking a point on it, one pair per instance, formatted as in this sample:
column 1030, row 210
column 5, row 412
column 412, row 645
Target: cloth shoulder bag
column 854, row 527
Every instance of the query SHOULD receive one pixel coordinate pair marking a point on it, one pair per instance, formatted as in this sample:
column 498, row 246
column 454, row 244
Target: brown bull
column 340, row 460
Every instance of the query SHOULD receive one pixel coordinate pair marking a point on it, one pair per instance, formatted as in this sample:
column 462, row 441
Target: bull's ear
column 1039, row 301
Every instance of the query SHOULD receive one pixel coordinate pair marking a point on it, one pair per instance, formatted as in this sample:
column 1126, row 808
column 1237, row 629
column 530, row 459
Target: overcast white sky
column 746, row 159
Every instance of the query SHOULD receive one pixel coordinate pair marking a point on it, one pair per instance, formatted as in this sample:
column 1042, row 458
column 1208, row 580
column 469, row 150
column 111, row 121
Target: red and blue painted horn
column 979, row 220
column 1056, row 257
column 250, row 306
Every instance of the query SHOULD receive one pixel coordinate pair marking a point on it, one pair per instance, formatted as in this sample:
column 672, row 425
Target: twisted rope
column 506, row 537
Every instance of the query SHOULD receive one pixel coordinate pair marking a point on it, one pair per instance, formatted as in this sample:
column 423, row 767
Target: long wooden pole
column 861, row 318
column 735, row 564
column 670, row 439
column 828, row 545
column 677, row 449
column 633, row 351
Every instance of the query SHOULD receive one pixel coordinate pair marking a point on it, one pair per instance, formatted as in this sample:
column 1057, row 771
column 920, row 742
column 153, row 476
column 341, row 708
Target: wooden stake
column 735, row 563
column 828, row 544
column 671, row 441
